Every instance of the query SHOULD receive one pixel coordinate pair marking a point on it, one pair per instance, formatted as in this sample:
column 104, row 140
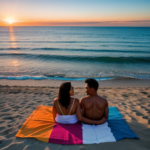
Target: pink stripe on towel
column 66, row 134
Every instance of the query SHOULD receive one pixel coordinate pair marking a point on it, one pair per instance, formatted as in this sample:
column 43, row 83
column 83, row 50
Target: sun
column 10, row 21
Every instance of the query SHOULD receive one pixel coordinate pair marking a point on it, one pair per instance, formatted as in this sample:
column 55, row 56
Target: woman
column 66, row 109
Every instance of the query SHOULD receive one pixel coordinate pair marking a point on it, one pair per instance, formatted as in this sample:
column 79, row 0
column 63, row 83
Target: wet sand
column 18, row 102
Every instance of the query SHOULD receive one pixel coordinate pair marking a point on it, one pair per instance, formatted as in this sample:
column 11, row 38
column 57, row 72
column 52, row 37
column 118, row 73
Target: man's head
column 91, row 86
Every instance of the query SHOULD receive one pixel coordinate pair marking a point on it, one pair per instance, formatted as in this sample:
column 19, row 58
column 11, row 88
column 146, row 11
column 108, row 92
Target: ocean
column 74, row 53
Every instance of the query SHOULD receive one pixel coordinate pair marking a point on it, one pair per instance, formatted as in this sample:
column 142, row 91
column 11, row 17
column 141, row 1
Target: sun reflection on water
column 12, row 38
column 15, row 63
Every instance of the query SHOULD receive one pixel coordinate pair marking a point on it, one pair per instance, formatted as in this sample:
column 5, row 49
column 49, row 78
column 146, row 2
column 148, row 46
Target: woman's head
column 65, row 91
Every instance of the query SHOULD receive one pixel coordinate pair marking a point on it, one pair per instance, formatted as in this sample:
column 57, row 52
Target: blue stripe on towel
column 121, row 130
column 118, row 125
column 114, row 113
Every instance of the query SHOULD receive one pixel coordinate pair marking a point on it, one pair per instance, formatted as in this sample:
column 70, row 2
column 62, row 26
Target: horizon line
column 65, row 26
column 77, row 23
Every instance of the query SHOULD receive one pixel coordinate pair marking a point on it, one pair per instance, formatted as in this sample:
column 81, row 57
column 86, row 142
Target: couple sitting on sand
column 91, row 109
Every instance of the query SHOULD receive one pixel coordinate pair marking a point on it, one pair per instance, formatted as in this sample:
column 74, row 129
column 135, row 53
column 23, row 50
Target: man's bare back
column 94, row 107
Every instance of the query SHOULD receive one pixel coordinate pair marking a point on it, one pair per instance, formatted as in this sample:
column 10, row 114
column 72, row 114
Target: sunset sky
column 75, row 12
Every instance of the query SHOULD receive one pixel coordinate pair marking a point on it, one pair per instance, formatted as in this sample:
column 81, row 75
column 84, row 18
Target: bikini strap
column 60, row 108
column 71, row 106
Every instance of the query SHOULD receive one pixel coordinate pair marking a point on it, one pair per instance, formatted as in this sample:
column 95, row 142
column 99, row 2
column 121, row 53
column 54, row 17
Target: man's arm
column 106, row 111
column 81, row 104
column 104, row 119
column 86, row 120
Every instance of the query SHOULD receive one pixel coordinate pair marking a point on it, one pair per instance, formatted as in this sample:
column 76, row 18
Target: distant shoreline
column 56, row 83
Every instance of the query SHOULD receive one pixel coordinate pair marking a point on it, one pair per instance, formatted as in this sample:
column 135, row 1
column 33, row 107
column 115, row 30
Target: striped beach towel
column 40, row 125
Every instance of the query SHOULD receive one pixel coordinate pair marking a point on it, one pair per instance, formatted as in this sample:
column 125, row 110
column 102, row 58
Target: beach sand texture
column 18, row 102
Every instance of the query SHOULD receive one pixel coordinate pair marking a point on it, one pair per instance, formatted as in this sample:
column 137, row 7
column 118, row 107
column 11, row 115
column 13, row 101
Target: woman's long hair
column 64, row 96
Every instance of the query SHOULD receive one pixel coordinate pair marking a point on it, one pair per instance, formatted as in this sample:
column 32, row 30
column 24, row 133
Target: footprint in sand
column 9, row 125
column 148, row 110
column 41, row 93
column 2, row 122
column 144, row 92
column 12, row 134
column 5, row 110
column 7, row 118
column 145, row 117
column 124, row 95
column 27, row 106
column 17, row 107
column 39, row 101
column 22, row 103
column 6, row 131
column 12, row 121
column 2, row 128
column 5, row 142
column 134, row 110
column 48, row 94
column 31, row 104
column 103, row 90
column 139, row 114
column 104, row 96
column 123, row 104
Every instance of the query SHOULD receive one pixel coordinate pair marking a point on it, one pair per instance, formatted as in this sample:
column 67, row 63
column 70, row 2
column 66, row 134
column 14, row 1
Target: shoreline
column 56, row 83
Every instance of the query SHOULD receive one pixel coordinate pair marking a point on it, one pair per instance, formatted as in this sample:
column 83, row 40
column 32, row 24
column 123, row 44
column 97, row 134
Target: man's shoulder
column 84, row 98
column 102, row 99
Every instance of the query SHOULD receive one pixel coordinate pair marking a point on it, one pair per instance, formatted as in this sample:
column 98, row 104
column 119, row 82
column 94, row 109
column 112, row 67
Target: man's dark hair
column 92, row 83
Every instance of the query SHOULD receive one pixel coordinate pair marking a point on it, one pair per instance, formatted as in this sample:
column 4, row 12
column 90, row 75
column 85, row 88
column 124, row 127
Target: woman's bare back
column 64, row 110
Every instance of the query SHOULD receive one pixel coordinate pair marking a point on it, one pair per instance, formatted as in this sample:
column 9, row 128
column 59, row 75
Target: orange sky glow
column 74, row 13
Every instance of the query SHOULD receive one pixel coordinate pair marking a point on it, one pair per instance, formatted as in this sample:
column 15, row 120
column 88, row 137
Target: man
column 93, row 106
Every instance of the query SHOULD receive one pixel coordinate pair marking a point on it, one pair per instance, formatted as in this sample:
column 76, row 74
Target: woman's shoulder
column 55, row 100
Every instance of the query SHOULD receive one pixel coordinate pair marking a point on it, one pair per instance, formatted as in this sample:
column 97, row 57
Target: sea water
column 74, row 53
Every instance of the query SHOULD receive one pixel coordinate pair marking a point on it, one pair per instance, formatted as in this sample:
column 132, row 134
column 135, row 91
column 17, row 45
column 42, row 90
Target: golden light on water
column 12, row 37
column 15, row 63
column 15, row 52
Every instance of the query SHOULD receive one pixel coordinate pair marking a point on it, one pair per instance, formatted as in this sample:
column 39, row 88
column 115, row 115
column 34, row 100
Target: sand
column 18, row 101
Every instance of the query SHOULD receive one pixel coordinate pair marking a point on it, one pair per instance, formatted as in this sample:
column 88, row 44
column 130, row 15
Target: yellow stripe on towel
column 39, row 125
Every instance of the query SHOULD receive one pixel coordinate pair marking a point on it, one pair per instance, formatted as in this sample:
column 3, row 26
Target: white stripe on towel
column 97, row 134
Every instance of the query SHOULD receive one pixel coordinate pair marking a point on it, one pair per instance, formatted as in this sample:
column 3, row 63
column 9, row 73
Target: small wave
column 12, row 48
column 76, row 58
column 80, row 50
column 91, row 50
column 100, row 41
column 54, row 75
column 50, row 78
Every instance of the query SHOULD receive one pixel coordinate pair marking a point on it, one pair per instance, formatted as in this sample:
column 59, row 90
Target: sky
column 75, row 12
